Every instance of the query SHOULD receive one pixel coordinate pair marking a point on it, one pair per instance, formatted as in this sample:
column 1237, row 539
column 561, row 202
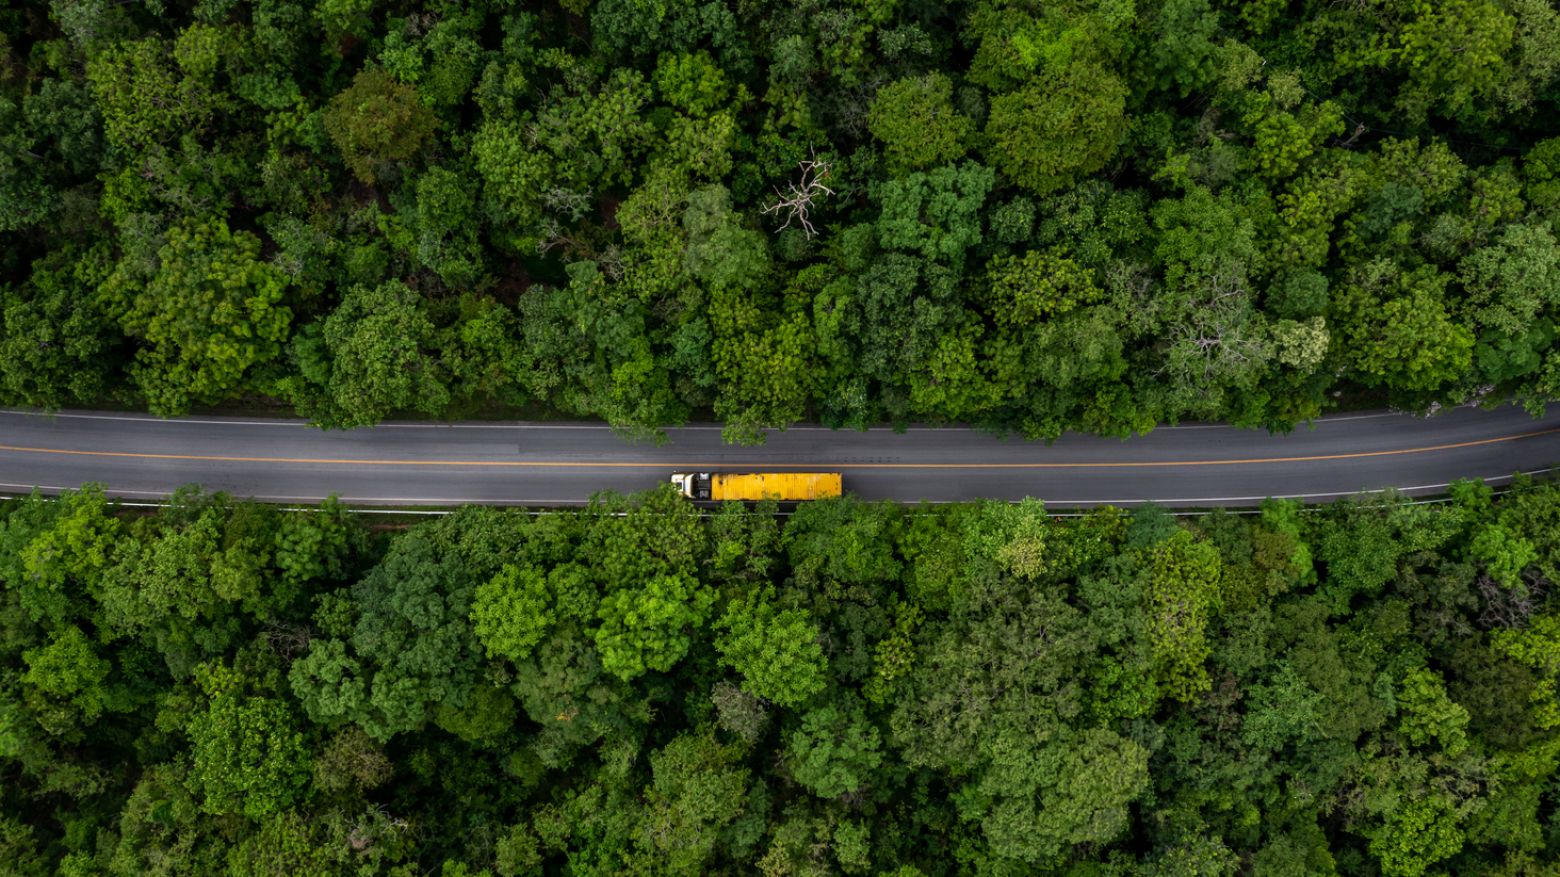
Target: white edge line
column 381, row 500
column 1064, row 503
column 293, row 422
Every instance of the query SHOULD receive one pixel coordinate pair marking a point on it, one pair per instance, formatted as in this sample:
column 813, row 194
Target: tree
column 1507, row 286
column 915, row 119
column 720, row 251
column 442, row 225
column 649, row 628
column 1184, row 49
column 765, row 366
column 377, row 344
column 514, row 176
column 408, row 646
column 952, row 384
column 377, row 122
column 64, row 682
column 1036, row 286
column 57, row 553
column 738, row 712
column 143, row 99
column 319, row 546
column 540, row 169
column 1417, row 836
column 835, row 750
column 511, row 612
column 26, row 196
column 841, row 541
column 585, row 349
column 1286, row 135
column 351, row 762
column 1039, row 802
column 56, row 343
column 1455, row 56
column 1502, row 553
column 935, row 214
column 1397, row 332
column 691, row 81
column 775, row 650
column 189, row 588
column 897, row 315
column 1183, row 591
column 1361, row 552
column 248, row 755
column 1429, row 714
column 1534, row 647
column 208, row 315
column 796, row 202
column 1062, row 125
column 698, row 789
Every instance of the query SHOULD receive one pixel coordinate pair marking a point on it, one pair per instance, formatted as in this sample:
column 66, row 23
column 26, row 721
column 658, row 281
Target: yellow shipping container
column 775, row 485
column 785, row 486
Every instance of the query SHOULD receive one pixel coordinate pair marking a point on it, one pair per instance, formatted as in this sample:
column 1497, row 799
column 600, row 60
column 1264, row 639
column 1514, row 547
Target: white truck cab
column 694, row 485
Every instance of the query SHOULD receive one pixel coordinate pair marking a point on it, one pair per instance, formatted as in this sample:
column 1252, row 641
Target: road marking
column 379, row 500
column 525, row 425
column 1061, row 503
column 690, row 465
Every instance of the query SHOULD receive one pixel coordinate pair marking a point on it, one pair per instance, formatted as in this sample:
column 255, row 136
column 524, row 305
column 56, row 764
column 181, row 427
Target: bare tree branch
column 797, row 199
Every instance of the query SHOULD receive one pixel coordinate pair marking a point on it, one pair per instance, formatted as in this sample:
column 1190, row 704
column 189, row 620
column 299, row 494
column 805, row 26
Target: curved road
column 139, row 457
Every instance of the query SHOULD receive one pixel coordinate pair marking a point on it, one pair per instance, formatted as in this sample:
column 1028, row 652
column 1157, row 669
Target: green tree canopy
column 1057, row 128
column 208, row 315
column 775, row 650
column 916, row 120
column 376, row 122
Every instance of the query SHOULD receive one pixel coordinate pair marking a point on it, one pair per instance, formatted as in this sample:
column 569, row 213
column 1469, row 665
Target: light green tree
column 1060, row 126
column 650, row 628
column 1183, row 593
column 208, row 315
column 511, row 611
column 1429, row 714
column 64, row 682
column 378, row 342
column 775, row 650
column 915, row 119
column 1398, row 333
column 1536, row 646
column 1416, row 836
column 1036, row 286
column 248, row 754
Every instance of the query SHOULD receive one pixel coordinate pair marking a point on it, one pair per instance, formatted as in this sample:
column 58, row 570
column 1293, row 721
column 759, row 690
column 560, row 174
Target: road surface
column 140, row 457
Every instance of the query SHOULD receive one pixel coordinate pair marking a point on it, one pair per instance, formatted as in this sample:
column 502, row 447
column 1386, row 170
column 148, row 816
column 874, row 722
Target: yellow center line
column 761, row 465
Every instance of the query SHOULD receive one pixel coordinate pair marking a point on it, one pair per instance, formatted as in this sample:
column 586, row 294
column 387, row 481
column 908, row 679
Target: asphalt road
column 139, row 457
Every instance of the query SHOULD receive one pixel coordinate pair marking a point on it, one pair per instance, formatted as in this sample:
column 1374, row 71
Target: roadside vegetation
column 1034, row 216
column 1368, row 688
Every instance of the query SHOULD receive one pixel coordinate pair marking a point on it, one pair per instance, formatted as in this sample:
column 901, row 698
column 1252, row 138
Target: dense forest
column 641, row 688
column 1086, row 214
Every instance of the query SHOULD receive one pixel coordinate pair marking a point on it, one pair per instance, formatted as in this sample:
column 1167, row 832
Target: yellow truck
column 783, row 486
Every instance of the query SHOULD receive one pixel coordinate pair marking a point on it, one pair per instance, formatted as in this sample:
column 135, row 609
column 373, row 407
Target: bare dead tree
column 553, row 236
column 1220, row 334
column 797, row 199
column 569, row 202
column 289, row 640
column 1509, row 607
